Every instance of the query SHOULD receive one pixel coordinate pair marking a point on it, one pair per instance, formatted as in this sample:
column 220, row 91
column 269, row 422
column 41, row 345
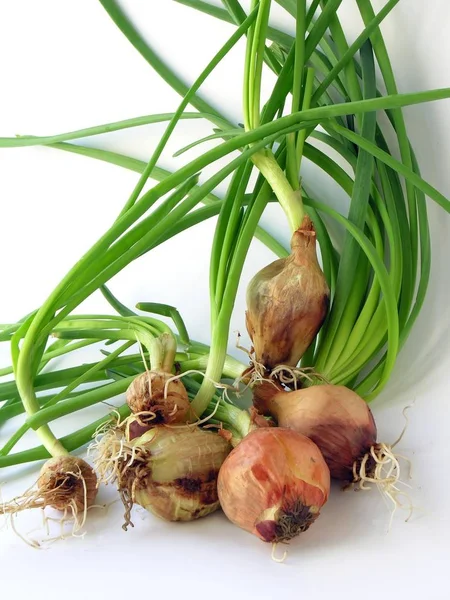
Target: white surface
column 66, row 66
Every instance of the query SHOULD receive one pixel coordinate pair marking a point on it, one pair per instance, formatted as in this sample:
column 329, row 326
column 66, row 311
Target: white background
column 64, row 66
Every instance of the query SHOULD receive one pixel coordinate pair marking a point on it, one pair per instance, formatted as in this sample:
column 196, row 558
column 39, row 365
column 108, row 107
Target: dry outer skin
column 287, row 302
column 274, row 483
column 334, row 417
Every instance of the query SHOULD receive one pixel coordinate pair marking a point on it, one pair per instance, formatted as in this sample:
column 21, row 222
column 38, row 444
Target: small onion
column 334, row 417
column 287, row 302
column 65, row 483
column 274, row 483
column 68, row 479
column 160, row 395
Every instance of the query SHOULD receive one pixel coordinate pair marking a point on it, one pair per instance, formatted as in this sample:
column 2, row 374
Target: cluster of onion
column 275, row 482
column 156, row 457
column 276, row 479
column 287, row 304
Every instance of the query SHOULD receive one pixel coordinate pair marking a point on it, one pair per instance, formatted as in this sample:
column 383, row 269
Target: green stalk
column 349, row 54
column 126, row 256
column 235, row 16
column 65, row 393
column 292, row 162
column 71, row 442
column 225, row 237
column 31, row 140
column 29, row 400
column 290, row 200
column 380, row 50
column 338, row 329
column 220, row 329
column 159, row 175
column 247, row 90
column 390, row 304
column 307, row 94
column 166, row 310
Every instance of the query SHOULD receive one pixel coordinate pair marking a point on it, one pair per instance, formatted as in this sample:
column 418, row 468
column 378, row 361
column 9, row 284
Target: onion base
column 287, row 523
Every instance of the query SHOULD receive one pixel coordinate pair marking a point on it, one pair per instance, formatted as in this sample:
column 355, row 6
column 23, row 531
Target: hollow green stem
column 65, row 393
column 292, row 162
column 71, row 442
column 289, row 199
column 307, row 94
column 220, row 328
column 32, row 140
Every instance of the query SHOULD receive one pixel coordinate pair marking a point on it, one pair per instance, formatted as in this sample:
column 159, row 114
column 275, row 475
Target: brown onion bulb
column 334, row 417
column 150, row 392
column 274, row 483
column 65, row 483
column 67, row 479
column 287, row 302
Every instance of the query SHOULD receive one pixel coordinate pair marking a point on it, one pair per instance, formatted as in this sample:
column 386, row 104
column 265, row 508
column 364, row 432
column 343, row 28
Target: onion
column 66, row 483
column 170, row 471
column 274, row 483
column 334, row 417
column 160, row 395
column 287, row 302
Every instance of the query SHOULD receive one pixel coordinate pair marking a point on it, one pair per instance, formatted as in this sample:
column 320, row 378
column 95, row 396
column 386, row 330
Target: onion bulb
column 159, row 398
column 334, row 417
column 170, row 471
column 274, row 483
column 287, row 302
column 66, row 483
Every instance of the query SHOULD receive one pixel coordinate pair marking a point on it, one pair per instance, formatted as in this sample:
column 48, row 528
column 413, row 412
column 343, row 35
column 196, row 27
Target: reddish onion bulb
column 274, row 483
column 334, row 417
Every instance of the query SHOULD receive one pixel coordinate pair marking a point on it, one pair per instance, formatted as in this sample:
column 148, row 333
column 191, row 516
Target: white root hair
column 278, row 559
column 380, row 466
column 225, row 387
column 34, row 497
column 120, row 462
column 284, row 374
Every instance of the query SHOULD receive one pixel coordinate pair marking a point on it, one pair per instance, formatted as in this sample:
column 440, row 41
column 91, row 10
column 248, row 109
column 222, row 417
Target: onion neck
column 162, row 350
column 289, row 199
column 303, row 243
column 238, row 420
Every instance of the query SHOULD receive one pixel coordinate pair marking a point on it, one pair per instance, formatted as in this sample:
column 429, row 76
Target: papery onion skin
column 287, row 302
column 338, row 420
column 178, row 481
column 274, row 483
column 66, row 479
column 159, row 393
